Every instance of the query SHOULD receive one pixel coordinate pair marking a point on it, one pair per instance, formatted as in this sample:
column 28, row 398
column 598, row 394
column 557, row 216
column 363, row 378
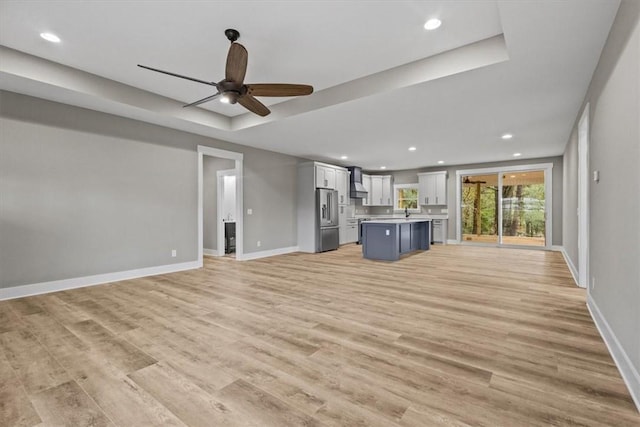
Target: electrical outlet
column 387, row 210
column 428, row 210
column 174, row 253
column 258, row 244
column 249, row 211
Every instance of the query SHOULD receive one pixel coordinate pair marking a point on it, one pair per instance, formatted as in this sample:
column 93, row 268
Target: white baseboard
column 98, row 279
column 629, row 372
column 264, row 254
column 572, row 268
column 452, row 242
column 210, row 252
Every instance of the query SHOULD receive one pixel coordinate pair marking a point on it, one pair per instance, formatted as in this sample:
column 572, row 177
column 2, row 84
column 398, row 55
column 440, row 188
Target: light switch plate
column 386, row 232
column 596, row 176
column 249, row 211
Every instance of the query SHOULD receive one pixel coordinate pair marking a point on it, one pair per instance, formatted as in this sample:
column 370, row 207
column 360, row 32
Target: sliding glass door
column 505, row 206
column 523, row 208
column 480, row 208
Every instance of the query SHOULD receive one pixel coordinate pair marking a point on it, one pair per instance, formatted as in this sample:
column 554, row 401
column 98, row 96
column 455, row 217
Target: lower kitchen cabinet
column 352, row 233
column 349, row 231
column 405, row 238
column 387, row 240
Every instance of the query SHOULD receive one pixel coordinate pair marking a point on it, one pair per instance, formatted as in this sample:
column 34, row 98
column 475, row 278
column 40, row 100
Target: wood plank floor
column 454, row 336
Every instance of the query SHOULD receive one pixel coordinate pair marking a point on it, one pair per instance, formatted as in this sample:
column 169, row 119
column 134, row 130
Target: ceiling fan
column 468, row 181
column 232, row 88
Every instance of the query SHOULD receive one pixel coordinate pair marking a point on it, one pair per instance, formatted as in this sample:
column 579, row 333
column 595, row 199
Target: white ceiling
column 533, row 91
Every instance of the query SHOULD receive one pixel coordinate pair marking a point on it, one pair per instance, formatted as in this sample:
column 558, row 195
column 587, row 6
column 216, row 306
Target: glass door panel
column 523, row 208
column 480, row 208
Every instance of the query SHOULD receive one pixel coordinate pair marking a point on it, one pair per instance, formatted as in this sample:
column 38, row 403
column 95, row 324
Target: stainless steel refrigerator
column 327, row 237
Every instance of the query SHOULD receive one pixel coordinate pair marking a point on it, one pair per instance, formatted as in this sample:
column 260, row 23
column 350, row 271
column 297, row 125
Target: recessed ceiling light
column 512, row 176
column 50, row 37
column 344, row 157
column 517, row 154
column 383, row 167
column 507, row 136
column 432, row 24
column 440, row 162
column 412, row 148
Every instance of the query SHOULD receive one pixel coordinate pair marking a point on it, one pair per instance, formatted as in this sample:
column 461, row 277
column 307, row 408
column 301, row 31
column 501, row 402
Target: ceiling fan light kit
column 232, row 88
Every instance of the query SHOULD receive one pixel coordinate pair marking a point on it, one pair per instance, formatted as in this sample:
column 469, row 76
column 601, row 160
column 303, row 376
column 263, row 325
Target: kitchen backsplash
column 388, row 210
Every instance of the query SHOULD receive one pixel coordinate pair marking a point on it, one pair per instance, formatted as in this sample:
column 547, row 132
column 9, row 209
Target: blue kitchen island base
column 388, row 240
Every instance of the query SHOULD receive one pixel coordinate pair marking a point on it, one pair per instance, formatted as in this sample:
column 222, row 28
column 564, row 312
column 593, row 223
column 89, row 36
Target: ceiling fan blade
column 253, row 105
column 236, row 63
column 279, row 89
column 179, row 75
column 202, row 101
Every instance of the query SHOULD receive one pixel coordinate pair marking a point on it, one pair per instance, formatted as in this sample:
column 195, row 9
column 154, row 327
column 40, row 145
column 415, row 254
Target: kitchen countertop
column 401, row 216
column 397, row 220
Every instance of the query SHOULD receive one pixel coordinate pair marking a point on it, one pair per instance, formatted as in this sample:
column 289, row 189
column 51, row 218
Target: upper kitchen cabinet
column 325, row 177
column 342, row 185
column 387, row 191
column 366, row 183
column 432, row 188
column 381, row 192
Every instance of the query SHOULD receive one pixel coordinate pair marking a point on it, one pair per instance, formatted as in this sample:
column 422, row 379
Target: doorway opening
column 507, row 206
column 226, row 212
column 220, row 219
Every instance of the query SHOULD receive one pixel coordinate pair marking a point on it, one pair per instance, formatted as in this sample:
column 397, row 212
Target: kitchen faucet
column 406, row 212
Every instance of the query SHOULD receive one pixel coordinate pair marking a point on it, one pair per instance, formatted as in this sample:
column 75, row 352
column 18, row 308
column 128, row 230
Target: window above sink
column 405, row 196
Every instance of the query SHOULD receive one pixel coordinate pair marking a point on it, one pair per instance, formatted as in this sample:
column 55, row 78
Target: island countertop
column 396, row 221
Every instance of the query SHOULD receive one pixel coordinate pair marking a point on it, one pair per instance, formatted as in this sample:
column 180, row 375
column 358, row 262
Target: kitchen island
column 388, row 239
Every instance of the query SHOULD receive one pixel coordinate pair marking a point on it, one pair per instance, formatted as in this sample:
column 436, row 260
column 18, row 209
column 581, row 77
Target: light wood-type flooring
column 454, row 336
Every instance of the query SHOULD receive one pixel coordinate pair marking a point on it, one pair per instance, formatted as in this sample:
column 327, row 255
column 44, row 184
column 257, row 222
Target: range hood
column 357, row 190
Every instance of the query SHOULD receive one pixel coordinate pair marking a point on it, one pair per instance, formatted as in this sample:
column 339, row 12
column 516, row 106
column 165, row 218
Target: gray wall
column 210, row 167
column 270, row 186
column 410, row 176
column 86, row 193
column 614, row 204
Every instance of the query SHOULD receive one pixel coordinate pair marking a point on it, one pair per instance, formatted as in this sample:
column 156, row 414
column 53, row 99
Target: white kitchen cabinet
column 432, row 188
column 342, row 222
column 352, row 233
column 387, row 191
column 342, row 185
column 325, row 177
column 366, row 183
column 376, row 190
column 348, row 229
column 381, row 193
